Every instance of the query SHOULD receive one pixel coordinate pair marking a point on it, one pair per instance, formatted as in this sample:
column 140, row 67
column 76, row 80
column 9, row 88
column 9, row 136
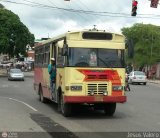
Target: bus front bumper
column 95, row 99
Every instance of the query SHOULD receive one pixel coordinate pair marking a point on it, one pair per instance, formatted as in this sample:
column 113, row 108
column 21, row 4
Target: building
column 153, row 71
column 30, row 55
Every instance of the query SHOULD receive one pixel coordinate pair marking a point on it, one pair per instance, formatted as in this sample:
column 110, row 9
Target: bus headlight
column 117, row 88
column 105, row 93
column 92, row 92
column 76, row 88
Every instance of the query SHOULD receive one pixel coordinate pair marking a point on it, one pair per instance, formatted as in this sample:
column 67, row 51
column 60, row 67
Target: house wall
column 158, row 71
column 152, row 71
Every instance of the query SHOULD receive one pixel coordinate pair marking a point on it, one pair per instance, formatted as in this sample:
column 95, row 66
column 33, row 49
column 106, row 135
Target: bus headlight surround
column 117, row 88
column 76, row 88
column 92, row 93
column 105, row 93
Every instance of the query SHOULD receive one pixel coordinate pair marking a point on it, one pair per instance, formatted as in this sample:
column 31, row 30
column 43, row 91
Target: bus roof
column 76, row 35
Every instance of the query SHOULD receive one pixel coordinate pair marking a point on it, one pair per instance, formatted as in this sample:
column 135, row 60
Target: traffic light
column 154, row 3
column 134, row 8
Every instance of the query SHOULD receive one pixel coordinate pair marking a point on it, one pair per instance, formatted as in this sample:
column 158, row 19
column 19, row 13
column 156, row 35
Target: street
column 88, row 69
column 21, row 111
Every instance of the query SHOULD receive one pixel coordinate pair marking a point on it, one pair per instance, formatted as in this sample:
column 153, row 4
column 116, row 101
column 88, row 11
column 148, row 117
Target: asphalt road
column 21, row 111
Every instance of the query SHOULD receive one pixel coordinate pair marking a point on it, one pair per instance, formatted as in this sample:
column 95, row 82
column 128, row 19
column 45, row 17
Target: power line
column 77, row 13
column 93, row 16
column 89, row 12
column 81, row 14
column 68, row 16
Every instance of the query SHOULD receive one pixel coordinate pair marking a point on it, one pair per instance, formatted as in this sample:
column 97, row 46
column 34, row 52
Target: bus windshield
column 96, row 57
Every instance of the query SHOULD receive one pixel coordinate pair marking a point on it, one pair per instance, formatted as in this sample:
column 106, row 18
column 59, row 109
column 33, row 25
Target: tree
column 146, row 43
column 1, row 6
column 14, row 34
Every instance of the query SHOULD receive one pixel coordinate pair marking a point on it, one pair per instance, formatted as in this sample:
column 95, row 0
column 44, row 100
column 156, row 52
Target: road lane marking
column 31, row 107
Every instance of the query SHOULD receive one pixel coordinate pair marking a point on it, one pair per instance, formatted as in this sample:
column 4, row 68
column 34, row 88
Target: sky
column 49, row 18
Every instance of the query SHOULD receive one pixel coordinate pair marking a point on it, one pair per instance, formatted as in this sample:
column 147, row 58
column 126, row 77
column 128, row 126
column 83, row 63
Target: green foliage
column 146, row 38
column 14, row 35
column 1, row 6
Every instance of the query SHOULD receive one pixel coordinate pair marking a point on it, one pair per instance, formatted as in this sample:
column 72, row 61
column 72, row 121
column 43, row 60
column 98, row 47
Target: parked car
column 137, row 77
column 6, row 64
column 15, row 74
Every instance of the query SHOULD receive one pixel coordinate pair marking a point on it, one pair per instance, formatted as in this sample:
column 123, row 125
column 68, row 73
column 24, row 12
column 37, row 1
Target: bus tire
column 41, row 97
column 109, row 108
column 65, row 107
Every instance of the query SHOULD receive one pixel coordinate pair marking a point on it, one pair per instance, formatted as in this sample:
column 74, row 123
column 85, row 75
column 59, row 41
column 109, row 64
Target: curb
column 3, row 76
column 155, row 82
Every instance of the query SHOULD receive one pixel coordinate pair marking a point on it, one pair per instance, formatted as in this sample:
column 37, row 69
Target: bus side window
column 60, row 58
column 60, row 61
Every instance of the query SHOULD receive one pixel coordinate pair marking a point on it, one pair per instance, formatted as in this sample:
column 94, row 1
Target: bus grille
column 98, row 89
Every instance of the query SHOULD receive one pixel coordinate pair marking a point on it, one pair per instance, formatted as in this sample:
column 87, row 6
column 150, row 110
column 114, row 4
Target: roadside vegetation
column 144, row 39
column 14, row 35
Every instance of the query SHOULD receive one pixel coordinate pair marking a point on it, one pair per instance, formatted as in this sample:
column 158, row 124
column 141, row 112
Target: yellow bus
column 90, row 70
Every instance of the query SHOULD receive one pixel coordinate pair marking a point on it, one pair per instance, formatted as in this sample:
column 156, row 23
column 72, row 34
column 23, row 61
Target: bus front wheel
column 65, row 107
column 109, row 108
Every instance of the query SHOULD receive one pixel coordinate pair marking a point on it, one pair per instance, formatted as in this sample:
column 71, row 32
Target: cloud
column 44, row 22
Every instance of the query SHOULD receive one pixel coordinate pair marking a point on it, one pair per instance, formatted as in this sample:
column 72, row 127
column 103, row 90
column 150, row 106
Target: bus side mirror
column 65, row 50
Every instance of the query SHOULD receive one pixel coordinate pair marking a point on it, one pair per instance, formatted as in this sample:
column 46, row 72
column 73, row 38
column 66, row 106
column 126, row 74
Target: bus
column 90, row 70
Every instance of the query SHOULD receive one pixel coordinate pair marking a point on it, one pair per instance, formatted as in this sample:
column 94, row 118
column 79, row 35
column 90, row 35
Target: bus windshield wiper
column 104, row 62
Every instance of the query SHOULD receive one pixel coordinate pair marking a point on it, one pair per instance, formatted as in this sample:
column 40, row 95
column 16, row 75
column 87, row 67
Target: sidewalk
column 3, row 72
column 153, row 81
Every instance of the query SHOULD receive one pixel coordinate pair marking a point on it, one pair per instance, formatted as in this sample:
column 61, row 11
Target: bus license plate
column 98, row 98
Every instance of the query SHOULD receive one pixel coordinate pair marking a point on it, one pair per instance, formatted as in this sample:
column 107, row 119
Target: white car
column 137, row 77
column 15, row 74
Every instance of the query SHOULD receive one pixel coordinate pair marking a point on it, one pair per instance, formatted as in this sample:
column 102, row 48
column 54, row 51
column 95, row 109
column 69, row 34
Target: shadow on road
column 86, row 112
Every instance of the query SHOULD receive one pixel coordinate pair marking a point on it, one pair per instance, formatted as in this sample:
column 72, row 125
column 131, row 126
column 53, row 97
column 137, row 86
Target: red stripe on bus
column 38, row 75
column 94, row 99
column 101, row 75
column 116, row 93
